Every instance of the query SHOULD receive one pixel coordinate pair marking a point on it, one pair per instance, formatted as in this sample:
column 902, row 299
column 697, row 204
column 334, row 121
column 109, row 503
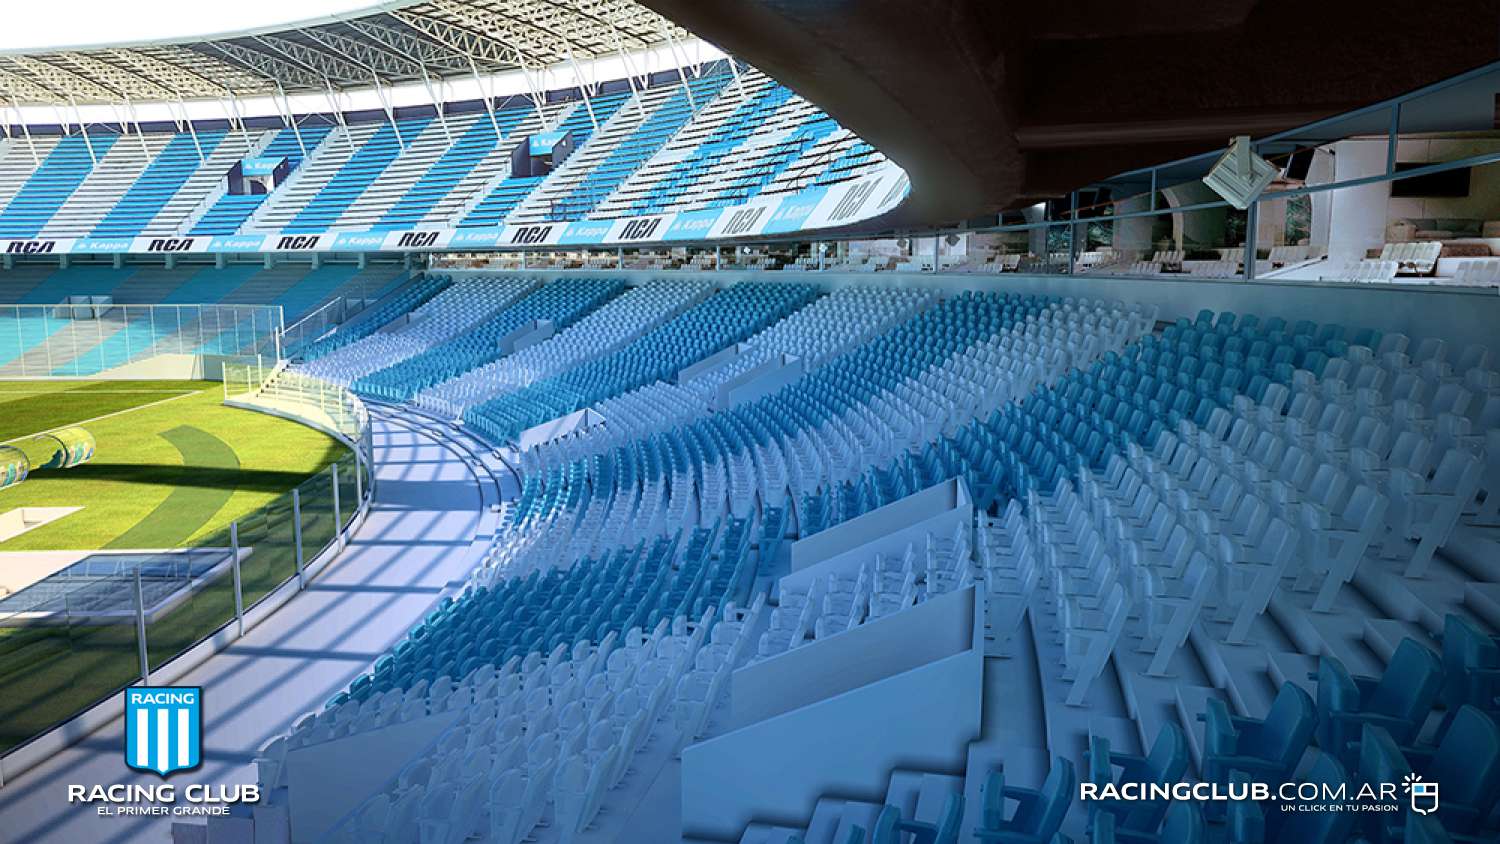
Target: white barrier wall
column 327, row 781
column 847, row 546
column 847, row 745
column 578, row 420
column 933, row 630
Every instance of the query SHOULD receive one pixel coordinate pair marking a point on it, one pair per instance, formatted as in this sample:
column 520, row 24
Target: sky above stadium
column 83, row 23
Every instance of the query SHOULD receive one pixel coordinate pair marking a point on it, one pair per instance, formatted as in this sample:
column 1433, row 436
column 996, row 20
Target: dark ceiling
column 991, row 105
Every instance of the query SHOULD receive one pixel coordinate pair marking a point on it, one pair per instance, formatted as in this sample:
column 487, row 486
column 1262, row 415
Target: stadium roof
column 393, row 43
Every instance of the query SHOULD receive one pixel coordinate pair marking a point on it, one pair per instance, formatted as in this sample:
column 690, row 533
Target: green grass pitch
column 172, row 464
column 172, row 468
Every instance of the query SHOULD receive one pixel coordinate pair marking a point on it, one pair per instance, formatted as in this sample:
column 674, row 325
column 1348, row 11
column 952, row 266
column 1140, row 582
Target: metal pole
column 192, row 132
column 1252, row 219
column 437, row 105
column 139, row 133
column 78, row 115
column 338, row 516
column 297, row 536
column 390, row 113
column 234, row 103
column 666, row 30
column 291, row 119
column 536, row 96
column 578, row 82
column 140, row 629
column 1390, row 144
column 1073, row 233
column 489, row 107
column 234, row 561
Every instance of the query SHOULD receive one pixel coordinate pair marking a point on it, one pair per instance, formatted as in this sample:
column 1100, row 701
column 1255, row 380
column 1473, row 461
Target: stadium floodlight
column 1240, row 175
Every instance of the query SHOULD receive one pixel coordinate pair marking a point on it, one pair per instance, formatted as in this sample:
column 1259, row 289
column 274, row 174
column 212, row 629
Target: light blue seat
column 1314, row 827
column 1266, row 749
column 1466, row 762
column 1038, row 814
column 1399, row 701
column 1166, row 763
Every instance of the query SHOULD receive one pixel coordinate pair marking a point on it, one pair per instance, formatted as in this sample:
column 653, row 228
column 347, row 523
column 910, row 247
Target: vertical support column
column 1391, row 138
column 1073, row 233
column 578, row 83
column 484, row 96
column 1252, row 219
column 297, row 536
column 291, row 119
column 359, row 476
column 239, row 589
column 140, row 629
column 338, row 516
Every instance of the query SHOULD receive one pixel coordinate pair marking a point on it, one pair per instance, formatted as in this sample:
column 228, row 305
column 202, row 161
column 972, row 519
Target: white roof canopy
column 394, row 44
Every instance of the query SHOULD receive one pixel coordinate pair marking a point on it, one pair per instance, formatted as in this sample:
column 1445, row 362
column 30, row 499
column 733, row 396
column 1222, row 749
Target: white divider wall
column 327, row 781
column 847, row 745
column 844, row 548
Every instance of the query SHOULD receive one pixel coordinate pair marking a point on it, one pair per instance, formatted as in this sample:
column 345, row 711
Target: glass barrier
column 73, row 638
column 86, row 337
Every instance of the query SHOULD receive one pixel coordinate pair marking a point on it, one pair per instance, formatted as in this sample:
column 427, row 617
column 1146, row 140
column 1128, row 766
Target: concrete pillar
column 1320, row 172
column 1357, row 215
column 1197, row 229
column 1036, row 239
column 1270, row 224
column 1131, row 237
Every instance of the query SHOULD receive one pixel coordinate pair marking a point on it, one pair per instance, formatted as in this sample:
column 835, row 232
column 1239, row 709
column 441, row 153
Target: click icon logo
column 1424, row 795
column 163, row 728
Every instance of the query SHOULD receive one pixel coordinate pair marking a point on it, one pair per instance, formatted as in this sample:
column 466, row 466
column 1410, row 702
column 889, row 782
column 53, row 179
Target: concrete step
column 933, row 796
column 856, row 814
column 1189, row 702
column 1483, row 600
column 1423, row 602
column 904, row 790
column 1294, row 668
column 1338, row 633
column 1239, row 670
column 1476, row 551
column 1383, row 635
column 826, row 816
column 1026, row 767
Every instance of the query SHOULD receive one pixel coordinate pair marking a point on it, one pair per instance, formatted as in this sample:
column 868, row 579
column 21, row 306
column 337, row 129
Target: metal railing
column 81, row 635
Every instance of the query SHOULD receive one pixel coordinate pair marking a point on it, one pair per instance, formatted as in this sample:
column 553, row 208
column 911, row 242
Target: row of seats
column 614, row 324
column 1152, row 492
column 724, row 318
column 409, row 299
column 557, row 304
column 457, row 308
column 812, row 336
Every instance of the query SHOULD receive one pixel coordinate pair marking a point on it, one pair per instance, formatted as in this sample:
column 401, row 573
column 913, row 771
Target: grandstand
column 859, row 428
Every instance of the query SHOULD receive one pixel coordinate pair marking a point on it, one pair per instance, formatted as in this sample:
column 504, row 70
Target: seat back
column 1184, row 825
column 1410, row 683
column 1467, row 761
column 1287, row 728
column 1169, row 754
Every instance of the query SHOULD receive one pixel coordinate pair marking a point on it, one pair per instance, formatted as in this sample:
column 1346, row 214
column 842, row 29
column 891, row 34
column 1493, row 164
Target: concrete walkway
column 429, row 519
